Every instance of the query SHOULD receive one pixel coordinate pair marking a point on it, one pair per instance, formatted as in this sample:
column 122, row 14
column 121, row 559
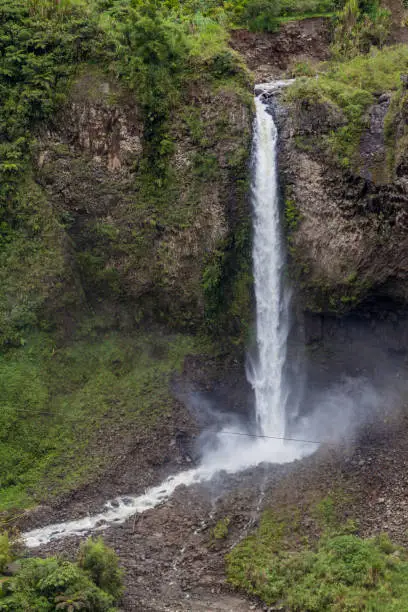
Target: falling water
column 271, row 299
column 234, row 453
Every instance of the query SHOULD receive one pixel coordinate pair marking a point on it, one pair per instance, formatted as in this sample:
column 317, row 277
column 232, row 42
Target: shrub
column 101, row 563
column 350, row 86
column 220, row 531
column 261, row 15
column 359, row 26
column 45, row 585
column 306, row 7
column 4, row 551
column 343, row 572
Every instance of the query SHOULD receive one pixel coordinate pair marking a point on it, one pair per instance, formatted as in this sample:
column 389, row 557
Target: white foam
column 233, row 455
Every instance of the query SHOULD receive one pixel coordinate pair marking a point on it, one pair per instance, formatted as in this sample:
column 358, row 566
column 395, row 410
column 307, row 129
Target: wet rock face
column 349, row 241
column 372, row 146
column 348, row 246
column 97, row 134
column 104, row 133
column 141, row 242
column 103, row 121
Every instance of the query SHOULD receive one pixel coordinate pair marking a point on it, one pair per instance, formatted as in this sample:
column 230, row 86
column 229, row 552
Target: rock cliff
column 145, row 250
column 348, row 234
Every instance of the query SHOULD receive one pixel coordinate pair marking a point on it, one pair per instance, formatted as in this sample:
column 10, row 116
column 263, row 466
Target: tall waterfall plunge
column 271, row 300
column 234, row 452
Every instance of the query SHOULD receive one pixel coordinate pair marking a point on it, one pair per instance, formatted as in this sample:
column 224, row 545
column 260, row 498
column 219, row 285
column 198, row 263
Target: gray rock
column 12, row 568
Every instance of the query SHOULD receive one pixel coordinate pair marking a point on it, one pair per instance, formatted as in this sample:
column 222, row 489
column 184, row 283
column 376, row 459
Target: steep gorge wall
column 176, row 254
column 347, row 238
column 345, row 222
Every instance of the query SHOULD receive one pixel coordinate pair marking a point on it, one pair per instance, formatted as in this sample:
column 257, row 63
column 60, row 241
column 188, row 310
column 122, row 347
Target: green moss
column 227, row 276
column 292, row 215
column 336, row 299
column 33, row 267
column 205, row 165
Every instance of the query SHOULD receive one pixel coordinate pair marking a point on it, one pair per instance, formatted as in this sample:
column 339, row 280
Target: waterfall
column 236, row 450
column 268, row 256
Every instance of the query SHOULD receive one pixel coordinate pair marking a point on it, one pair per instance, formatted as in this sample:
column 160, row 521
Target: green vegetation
column 292, row 215
column 349, row 88
column 39, row 54
column 335, row 571
column 61, row 404
column 261, row 15
column 323, row 296
column 359, row 26
column 5, row 556
column 220, row 531
column 101, row 563
column 93, row 583
column 31, row 84
column 161, row 52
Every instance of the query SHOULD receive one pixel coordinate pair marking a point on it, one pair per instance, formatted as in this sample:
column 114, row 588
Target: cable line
column 249, row 435
column 80, row 419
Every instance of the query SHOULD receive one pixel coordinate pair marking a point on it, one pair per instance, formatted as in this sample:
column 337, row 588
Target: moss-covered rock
column 342, row 158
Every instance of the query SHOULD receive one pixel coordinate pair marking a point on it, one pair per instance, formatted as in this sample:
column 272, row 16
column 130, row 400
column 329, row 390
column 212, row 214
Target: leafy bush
column 305, row 7
column 54, row 584
column 261, row 15
column 359, row 26
column 4, row 551
column 343, row 572
column 101, row 563
column 220, row 531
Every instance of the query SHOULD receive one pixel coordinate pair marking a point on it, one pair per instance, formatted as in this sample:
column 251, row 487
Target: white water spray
column 234, row 453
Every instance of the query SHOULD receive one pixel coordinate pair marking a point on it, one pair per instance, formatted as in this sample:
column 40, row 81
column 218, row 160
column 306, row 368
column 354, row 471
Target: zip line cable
column 249, row 435
column 73, row 419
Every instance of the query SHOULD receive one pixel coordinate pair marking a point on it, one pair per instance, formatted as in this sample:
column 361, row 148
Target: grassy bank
column 63, row 407
column 329, row 567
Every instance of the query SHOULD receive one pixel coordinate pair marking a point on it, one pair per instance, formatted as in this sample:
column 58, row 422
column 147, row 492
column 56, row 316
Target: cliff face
column 347, row 228
column 345, row 192
column 138, row 248
column 267, row 55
